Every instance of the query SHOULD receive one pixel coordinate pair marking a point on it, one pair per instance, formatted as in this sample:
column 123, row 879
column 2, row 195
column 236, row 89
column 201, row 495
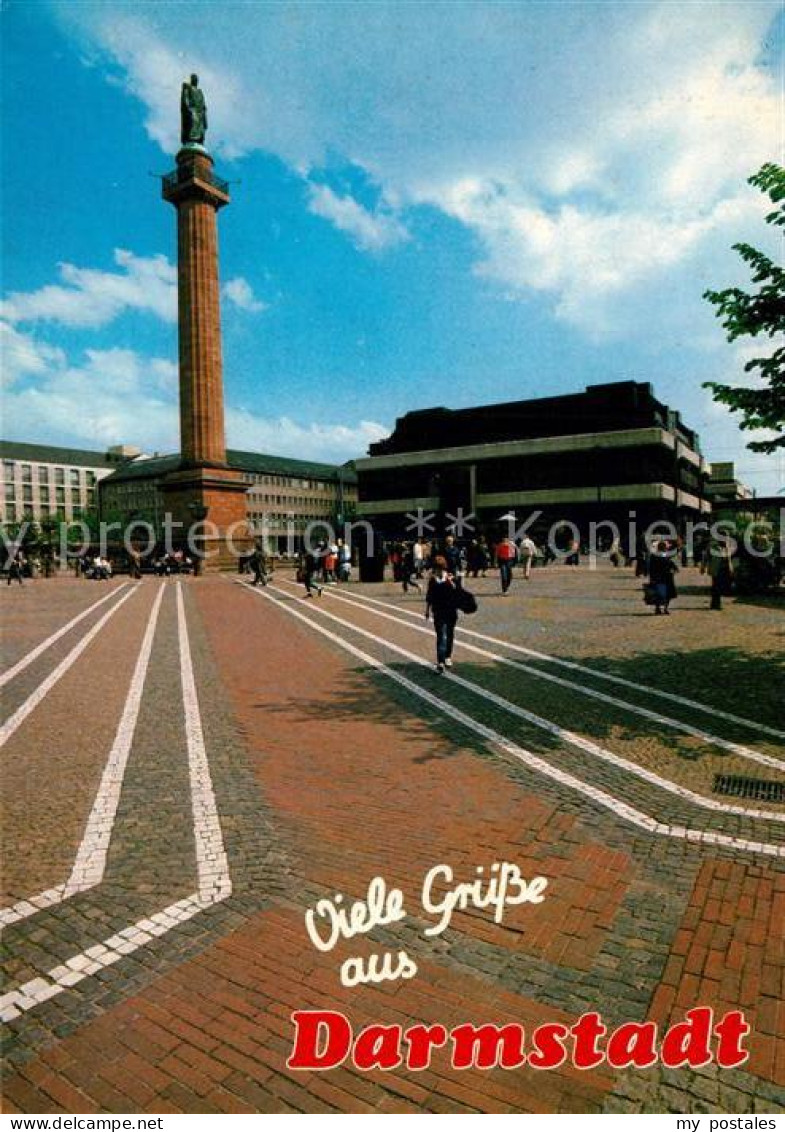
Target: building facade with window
column 723, row 486
column 41, row 481
column 283, row 495
column 599, row 454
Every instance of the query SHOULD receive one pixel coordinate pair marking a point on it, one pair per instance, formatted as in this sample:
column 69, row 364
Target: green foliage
column 761, row 313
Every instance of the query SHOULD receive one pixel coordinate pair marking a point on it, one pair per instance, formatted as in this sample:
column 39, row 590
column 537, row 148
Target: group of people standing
column 410, row 560
column 661, row 564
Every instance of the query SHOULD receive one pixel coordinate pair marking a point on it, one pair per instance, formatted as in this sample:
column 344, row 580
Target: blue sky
column 449, row 203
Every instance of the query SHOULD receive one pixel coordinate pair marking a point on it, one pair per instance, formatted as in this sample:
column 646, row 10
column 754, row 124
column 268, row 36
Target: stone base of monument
column 207, row 510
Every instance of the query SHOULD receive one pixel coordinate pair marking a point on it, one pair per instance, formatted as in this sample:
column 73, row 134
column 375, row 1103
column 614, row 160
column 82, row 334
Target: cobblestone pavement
column 189, row 765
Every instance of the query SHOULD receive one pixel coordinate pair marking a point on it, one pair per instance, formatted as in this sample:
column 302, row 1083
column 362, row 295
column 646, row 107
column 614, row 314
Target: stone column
column 197, row 194
column 203, row 483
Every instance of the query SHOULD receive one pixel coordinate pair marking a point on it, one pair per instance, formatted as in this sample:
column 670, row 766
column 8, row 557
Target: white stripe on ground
column 211, row 863
column 33, row 700
column 545, row 724
column 601, row 797
column 212, row 866
column 90, row 863
column 94, row 959
column 593, row 672
column 34, row 654
column 706, row 736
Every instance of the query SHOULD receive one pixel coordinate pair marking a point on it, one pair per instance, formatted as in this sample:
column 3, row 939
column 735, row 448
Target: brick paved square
column 197, row 763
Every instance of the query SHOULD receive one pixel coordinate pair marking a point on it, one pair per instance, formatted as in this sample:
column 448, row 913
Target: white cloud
column 95, row 402
column 333, row 443
column 587, row 258
column 22, row 354
column 371, row 231
column 88, row 297
column 626, row 131
column 120, row 396
column 239, row 292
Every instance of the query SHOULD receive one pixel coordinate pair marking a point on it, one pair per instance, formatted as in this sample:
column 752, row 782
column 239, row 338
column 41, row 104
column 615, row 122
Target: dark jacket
column 441, row 597
column 661, row 571
column 454, row 557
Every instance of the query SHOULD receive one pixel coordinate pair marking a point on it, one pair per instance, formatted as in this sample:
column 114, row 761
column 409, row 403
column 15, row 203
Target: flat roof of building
column 604, row 407
column 257, row 463
column 49, row 454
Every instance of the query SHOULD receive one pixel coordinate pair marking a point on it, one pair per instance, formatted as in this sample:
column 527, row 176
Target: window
column 59, row 475
column 9, row 492
column 74, row 477
column 8, row 469
column 60, row 494
column 27, row 492
column 43, row 474
column 91, row 479
column 43, row 492
column 27, row 473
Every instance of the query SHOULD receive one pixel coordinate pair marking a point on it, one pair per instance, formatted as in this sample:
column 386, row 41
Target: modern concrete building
column 722, row 485
column 41, row 481
column 597, row 454
column 281, row 494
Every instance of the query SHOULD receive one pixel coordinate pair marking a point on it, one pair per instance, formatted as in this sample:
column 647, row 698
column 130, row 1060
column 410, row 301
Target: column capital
column 194, row 179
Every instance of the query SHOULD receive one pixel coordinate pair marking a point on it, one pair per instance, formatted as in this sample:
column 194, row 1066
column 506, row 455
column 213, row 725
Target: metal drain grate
column 737, row 786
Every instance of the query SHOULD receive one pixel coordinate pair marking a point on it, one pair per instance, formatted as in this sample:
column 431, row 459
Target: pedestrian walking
column 662, row 568
column 528, row 552
column 408, row 569
column 16, row 568
column 455, row 559
column 641, row 557
column 259, row 567
column 418, row 552
column 331, row 563
column 483, row 556
column 344, row 561
column 441, row 599
column 720, row 569
column 135, row 563
column 506, row 553
column 477, row 558
column 308, row 567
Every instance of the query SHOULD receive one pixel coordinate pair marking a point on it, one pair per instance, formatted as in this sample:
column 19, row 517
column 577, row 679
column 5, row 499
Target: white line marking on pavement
column 211, row 863
column 93, row 959
column 212, row 866
column 607, row 801
column 539, row 721
column 20, row 665
column 90, row 863
column 594, row 672
column 706, row 736
column 32, row 701
column 24, row 908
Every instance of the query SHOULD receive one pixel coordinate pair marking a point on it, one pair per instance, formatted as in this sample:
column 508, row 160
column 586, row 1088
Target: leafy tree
column 760, row 313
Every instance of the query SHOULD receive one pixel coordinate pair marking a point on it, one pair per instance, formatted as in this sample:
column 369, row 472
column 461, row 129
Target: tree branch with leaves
column 760, row 313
